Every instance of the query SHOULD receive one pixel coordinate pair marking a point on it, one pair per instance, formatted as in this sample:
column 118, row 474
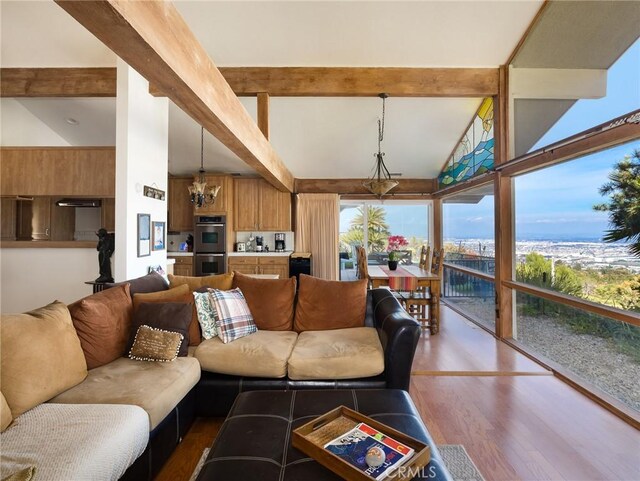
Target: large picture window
column 371, row 223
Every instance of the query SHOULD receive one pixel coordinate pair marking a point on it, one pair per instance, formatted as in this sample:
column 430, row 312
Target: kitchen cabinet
column 42, row 219
column 260, row 265
column 108, row 214
column 180, row 206
column 224, row 200
column 183, row 265
column 258, row 206
column 8, row 218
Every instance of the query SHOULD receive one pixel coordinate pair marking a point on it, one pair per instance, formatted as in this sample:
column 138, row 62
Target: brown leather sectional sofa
column 206, row 382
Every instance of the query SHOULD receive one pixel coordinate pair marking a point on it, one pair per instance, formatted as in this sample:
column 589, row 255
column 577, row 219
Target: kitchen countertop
column 179, row 254
column 260, row 254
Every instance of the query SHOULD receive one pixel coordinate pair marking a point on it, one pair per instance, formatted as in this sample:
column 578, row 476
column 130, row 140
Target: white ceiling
column 315, row 137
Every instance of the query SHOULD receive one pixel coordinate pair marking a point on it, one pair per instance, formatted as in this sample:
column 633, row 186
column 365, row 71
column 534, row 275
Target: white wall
column 20, row 128
column 31, row 278
column 142, row 133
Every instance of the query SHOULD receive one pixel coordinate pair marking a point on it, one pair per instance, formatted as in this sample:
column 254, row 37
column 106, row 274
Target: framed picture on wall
column 144, row 235
column 158, row 236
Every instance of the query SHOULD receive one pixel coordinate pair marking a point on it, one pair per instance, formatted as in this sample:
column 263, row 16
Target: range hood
column 79, row 203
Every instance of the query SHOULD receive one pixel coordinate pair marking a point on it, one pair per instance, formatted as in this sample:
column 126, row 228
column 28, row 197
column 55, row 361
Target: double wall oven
column 210, row 244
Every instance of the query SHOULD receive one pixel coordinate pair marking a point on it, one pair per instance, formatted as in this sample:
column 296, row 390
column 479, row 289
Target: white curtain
column 317, row 230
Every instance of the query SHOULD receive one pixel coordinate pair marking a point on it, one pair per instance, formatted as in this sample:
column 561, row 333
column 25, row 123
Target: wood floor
column 516, row 420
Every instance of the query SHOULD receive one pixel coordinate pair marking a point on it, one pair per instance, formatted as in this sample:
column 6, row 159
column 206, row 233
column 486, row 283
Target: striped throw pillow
column 233, row 317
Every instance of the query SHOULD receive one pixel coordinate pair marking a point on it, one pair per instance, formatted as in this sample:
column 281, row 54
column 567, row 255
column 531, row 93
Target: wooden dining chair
column 418, row 304
column 362, row 271
column 424, row 257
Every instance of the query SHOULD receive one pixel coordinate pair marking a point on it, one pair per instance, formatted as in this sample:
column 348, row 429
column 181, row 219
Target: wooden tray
column 311, row 438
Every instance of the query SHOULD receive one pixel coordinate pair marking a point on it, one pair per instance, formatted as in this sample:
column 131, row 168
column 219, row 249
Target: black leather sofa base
column 255, row 440
column 163, row 440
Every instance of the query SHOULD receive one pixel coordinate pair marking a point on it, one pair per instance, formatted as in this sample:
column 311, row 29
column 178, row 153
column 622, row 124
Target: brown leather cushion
column 152, row 282
column 270, row 300
column 181, row 293
column 168, row 316
column 103, row 324
column 221, row 281
column 330, row 304
column 41, row 357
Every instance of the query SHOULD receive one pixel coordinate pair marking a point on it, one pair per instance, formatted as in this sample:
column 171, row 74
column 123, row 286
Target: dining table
column 410, row 278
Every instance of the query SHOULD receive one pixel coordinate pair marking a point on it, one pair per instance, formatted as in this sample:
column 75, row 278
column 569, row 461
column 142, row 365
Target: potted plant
column 396, row 242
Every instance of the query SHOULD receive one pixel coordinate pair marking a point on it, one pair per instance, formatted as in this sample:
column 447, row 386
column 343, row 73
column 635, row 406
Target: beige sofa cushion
column 5, row 413
column 337, row 354
column 41, row 356
column 261, row 354
column 157, row 387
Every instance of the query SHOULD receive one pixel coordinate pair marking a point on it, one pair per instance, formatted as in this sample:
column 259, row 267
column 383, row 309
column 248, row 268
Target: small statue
column 106, row 246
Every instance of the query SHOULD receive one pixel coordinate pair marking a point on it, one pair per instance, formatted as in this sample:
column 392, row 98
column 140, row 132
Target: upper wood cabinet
column 8, row 209
column 258, row 206
column 58, row 171
column 108, row 214
column 224, row 200
column 180, row 206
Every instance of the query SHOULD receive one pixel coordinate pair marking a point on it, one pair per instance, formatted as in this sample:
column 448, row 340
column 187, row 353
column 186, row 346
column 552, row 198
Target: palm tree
column 377, row 229
column 623, row 206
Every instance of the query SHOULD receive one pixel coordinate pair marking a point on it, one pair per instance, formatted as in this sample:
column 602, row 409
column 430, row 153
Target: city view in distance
column 586, row 254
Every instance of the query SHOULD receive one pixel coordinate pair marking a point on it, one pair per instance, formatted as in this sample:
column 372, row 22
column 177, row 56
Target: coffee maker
column 280, row 247
column 259, row 243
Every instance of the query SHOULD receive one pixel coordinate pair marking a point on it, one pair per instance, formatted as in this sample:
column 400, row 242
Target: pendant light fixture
column 200, row 194
column 380, row 182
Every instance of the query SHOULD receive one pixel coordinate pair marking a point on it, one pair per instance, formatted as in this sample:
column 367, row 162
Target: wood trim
column 471, row 272
column 154, row 39
column 58, row 82
column 438, row 240
column 591, row 391
column 618, row 131
column 599, row 309
column 483, row 179
column 501, row 119
column 44, row 244
column 415, row 197
column 529, row 29
column 263, row 113
column 359, row 81
column 354, row 186
column 505, row 247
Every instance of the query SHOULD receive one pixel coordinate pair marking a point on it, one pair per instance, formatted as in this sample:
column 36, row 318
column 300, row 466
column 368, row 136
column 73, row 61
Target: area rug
column 458, row 462
column 455, row 458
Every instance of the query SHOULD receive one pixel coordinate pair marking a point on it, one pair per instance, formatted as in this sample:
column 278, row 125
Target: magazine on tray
column 354, row 446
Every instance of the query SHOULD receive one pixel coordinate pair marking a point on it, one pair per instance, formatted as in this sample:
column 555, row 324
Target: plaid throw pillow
column 233, row 318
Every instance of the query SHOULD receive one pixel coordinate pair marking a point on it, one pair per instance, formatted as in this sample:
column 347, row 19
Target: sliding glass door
column 372, row 223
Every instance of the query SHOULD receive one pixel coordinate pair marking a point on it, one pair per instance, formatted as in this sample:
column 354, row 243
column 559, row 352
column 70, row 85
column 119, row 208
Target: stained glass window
column 474, row 154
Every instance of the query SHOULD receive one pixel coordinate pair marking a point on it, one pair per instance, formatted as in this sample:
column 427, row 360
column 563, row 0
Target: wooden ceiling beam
column 359, row 81
column 155, row 40
column 354, row 186
column 58, row 82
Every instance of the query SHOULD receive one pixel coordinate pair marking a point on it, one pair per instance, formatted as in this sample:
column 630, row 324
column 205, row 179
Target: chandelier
column 200, row 194
column 380, row 182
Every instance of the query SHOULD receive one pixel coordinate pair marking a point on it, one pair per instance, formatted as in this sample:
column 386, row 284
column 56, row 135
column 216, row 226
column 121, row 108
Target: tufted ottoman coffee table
column 255, row 439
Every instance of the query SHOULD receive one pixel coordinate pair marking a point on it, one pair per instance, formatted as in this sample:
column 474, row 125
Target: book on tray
column 362, row 447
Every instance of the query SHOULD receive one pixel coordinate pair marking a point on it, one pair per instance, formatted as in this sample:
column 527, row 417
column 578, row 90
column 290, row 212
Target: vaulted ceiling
column 315, row 137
